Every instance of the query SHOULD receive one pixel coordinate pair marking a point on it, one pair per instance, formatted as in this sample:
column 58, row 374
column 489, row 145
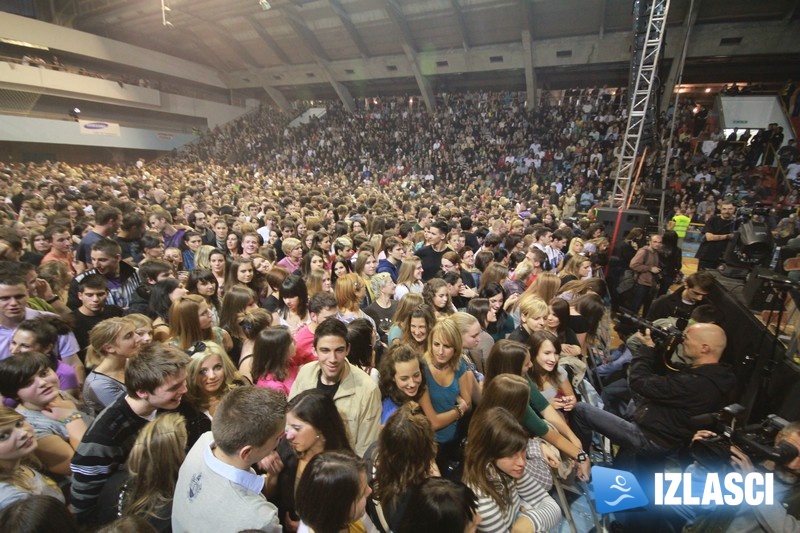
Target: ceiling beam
column 300, row 27
column 602, row 18
column 271, row 43
column 526, row 12
column 206, row 49
column 304, row 32
column 399, row 19
column 462, row 26
column 411, row 51
column 347, row 22
column 238, row 48
column 530, row 70
column 787, row 18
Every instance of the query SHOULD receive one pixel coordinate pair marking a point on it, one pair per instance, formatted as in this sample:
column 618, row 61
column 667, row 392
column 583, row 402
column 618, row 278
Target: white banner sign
column 96, row 127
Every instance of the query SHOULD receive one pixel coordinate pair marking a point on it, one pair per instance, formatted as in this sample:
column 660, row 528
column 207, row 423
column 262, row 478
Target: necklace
column 439, row 367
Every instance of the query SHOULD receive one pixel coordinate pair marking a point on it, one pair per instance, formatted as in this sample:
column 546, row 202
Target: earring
column 491, row 472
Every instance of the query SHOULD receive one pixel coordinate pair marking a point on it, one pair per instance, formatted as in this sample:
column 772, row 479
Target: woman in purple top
column 41, row 334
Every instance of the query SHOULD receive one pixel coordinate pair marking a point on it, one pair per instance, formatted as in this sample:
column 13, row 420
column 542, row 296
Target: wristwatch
column 582, row 456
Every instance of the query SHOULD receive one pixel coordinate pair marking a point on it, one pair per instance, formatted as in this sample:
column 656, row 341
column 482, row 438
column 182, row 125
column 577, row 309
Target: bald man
column 664, row 404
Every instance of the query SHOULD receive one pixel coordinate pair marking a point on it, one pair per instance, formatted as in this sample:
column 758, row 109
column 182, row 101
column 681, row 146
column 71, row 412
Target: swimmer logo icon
column 616, row 490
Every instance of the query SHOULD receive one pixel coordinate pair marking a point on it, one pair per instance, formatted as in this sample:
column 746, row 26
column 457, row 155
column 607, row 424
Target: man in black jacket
column 683, row 301
column 665, row 404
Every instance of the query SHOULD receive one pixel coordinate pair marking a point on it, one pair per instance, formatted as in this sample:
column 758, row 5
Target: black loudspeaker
column 758, row 296
column 631, row 218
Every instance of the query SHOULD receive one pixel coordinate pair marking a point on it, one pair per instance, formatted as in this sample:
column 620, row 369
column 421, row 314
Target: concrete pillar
column 278, row 98
column 530, row 71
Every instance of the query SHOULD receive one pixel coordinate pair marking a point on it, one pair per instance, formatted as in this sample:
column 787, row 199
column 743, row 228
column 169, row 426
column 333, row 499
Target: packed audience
column 370, row 322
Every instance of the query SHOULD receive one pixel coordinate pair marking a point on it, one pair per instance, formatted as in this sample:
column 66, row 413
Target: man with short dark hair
column 14, row 309
column 431, row 254
column 155, row 379
column 61, row 248
column 199, row 221
column 92, row 292
column 321, row 306
column 107, row 220
column 130, row 236
column 217, row 490
column 544, row 237
column 123, row 279
column 395, row 253
column 355, row 394
column 287, row 232
column 681, row 302
column 150, row 273
column 716, row 234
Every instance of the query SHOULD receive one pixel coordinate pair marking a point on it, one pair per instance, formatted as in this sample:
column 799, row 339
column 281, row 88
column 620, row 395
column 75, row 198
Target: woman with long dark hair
column 313, row 426
column 205, row 284
column 403, row 457
column 30, row 379
column 504, row 323
column 332, row 494
column 402, row 378
column 293, row 310
column 494, row 467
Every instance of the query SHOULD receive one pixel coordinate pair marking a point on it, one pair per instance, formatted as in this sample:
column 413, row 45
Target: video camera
column 746, row 212
column 667, row 338
column 756, row 440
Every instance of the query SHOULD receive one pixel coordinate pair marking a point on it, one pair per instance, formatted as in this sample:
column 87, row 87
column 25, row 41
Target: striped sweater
column 103, row 450
column 526, row 498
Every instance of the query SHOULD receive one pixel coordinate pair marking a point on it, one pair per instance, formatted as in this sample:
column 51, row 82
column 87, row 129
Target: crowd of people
column 390, row 320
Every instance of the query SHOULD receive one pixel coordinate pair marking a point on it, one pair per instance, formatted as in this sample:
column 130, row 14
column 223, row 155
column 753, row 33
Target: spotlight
column 266, row 6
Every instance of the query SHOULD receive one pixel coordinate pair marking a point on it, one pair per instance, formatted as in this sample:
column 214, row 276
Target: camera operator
column 616, row 394
column 783, row 515
column 664, row 404
column 716, row 234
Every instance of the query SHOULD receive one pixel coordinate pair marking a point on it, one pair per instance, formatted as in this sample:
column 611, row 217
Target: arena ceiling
column 386, row 46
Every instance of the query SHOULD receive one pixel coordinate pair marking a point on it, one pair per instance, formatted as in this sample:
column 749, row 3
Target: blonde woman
column 318, row 281
column 545, row 286
column 209, row 377
column 18, row 480
column 153, row 466
column 449, row 393
column 365, row 267
column 202, row 258
column 111, row 343
column 409, row 278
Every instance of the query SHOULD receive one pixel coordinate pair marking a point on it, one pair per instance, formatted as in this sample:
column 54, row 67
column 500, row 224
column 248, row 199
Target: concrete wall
column 86, row 44
column 43, row 80
column 82, row 88
column 753, row 112
column 38, row 130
